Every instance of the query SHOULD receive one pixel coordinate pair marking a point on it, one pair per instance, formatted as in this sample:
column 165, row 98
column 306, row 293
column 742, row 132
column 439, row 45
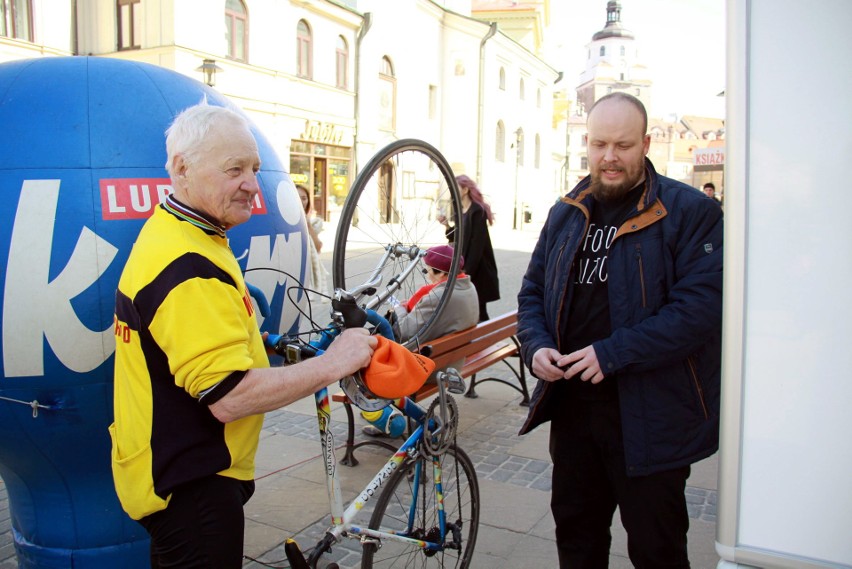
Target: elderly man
column 620, row 318
column 192, row 379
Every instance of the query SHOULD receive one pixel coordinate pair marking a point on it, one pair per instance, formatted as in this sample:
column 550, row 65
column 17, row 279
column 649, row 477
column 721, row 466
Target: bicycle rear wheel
column 393, row 208
column 460, row 502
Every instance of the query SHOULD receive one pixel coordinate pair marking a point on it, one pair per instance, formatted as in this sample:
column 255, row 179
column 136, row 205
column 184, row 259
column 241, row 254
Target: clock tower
column 613, row 63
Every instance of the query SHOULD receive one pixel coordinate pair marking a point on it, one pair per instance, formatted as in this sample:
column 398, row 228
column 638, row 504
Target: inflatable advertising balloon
column 81, row 169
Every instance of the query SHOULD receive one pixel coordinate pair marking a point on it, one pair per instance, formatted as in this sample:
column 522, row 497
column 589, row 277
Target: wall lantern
column 209, row 69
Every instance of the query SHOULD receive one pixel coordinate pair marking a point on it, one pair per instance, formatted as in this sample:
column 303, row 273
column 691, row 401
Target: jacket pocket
column 133, row 479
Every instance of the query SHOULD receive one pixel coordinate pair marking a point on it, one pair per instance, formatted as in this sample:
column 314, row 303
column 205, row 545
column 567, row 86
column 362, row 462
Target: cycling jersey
column 184, row 327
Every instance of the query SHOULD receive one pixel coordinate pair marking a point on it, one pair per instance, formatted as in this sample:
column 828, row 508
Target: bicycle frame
column 414, row 254
column 342, row 519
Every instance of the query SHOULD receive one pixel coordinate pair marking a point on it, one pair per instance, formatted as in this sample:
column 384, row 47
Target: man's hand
column 549, row 365
column 544, row 364
column 351, row 351
column 583, row 363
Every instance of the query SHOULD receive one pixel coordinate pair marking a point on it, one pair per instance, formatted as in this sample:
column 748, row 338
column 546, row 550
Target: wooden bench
column 482, row 346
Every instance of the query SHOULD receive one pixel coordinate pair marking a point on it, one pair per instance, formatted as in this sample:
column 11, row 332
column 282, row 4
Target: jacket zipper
column 638, row 257
column 698, row 387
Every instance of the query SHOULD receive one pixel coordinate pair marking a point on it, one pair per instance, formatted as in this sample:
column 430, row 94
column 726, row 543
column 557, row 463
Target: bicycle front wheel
column 389, row 220
column 393, row 513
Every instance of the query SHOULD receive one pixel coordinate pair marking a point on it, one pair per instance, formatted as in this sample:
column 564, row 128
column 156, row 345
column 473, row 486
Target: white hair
column 191, row 127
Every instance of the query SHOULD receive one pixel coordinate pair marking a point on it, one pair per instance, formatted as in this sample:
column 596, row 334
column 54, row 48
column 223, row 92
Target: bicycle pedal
column 455, row 383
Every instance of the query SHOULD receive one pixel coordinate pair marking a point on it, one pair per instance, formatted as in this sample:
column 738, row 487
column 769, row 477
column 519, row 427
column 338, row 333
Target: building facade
column 330, row 83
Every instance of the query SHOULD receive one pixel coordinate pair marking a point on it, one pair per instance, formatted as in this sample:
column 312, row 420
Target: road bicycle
column 427, row 506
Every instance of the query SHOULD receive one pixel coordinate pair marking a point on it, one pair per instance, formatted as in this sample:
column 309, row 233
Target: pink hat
column 440, row 257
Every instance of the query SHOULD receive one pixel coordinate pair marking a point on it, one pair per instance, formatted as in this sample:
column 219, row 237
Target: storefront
column 709, row 166
column 320, row 162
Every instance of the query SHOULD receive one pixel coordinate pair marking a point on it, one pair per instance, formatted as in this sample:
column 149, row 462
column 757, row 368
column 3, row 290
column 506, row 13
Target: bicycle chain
column 436, row 441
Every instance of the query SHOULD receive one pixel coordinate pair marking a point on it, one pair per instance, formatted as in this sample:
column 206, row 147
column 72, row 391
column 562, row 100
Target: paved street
column 514, row 472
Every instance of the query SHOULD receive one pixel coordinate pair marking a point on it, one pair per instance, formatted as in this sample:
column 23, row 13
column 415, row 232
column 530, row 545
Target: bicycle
column 421, row 518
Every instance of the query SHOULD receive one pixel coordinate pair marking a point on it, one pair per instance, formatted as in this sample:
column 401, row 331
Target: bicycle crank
column 439, row 428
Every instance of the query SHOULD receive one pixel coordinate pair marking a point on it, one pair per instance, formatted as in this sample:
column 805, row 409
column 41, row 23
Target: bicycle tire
column 461, row 504
column 395, row 200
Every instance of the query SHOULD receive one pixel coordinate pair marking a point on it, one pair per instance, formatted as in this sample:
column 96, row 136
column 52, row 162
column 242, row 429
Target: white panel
column 795, row 490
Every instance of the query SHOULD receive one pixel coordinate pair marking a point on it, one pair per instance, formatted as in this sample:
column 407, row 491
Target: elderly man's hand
column 351, row 351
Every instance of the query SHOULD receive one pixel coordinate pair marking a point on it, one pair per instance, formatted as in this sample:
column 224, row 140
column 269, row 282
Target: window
column 17, row 18
column 638, row 91
column 236, row 29
column 584, row 162
column 128, row 24
column 603, row 50
column 537, row 157
column 521, row 94
column 342, row 63
column 433, row 102
column 500, row 142
column 538, row 98
column 304, row 48
column 387, row 95
column 502, row 79
column 622, row 50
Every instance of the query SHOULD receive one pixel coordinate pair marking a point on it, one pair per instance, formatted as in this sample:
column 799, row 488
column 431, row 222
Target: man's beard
column 613, row 192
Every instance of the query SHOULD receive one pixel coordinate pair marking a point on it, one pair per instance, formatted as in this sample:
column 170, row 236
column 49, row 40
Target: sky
column 682, row 42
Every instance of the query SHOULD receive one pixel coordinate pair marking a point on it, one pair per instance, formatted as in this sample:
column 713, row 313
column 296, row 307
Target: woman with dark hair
column 476, row 248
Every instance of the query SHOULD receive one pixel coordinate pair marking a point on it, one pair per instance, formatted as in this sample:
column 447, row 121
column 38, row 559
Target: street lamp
column 209, row 69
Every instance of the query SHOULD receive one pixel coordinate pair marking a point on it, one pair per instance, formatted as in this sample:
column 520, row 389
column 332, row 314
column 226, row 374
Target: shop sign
column 323, row 132
column 709, row 156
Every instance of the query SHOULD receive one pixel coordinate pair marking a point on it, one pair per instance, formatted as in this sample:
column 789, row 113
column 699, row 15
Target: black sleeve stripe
column 186, row 267
column 222, row 388
column 125, row 311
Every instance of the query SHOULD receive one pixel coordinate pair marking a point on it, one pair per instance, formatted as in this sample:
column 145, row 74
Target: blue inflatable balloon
column 82, row 168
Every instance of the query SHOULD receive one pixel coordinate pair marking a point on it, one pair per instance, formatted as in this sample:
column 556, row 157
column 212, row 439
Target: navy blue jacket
column 665, row 294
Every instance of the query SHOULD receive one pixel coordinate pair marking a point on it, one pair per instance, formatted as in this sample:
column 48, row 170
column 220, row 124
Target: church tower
column 613, row 63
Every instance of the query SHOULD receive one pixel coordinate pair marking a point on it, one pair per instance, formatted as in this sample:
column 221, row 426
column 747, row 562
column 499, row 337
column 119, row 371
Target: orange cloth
column 394, row 371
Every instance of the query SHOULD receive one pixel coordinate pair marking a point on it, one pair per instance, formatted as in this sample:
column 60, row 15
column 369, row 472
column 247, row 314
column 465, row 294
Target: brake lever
column 352, row 315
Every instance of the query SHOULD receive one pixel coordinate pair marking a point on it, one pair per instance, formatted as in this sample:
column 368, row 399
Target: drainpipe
column 479, row 127
column 362, row 31
column 75, row 42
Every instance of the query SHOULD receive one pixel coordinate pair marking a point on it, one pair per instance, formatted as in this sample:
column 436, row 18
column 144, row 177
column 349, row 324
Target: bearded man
column 620, row 319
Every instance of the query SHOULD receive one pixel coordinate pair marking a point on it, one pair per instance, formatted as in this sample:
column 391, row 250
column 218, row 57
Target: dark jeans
column 202, row 526
column 590, row 480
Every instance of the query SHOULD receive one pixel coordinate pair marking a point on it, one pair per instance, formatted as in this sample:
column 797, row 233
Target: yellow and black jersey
column 184, row 328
